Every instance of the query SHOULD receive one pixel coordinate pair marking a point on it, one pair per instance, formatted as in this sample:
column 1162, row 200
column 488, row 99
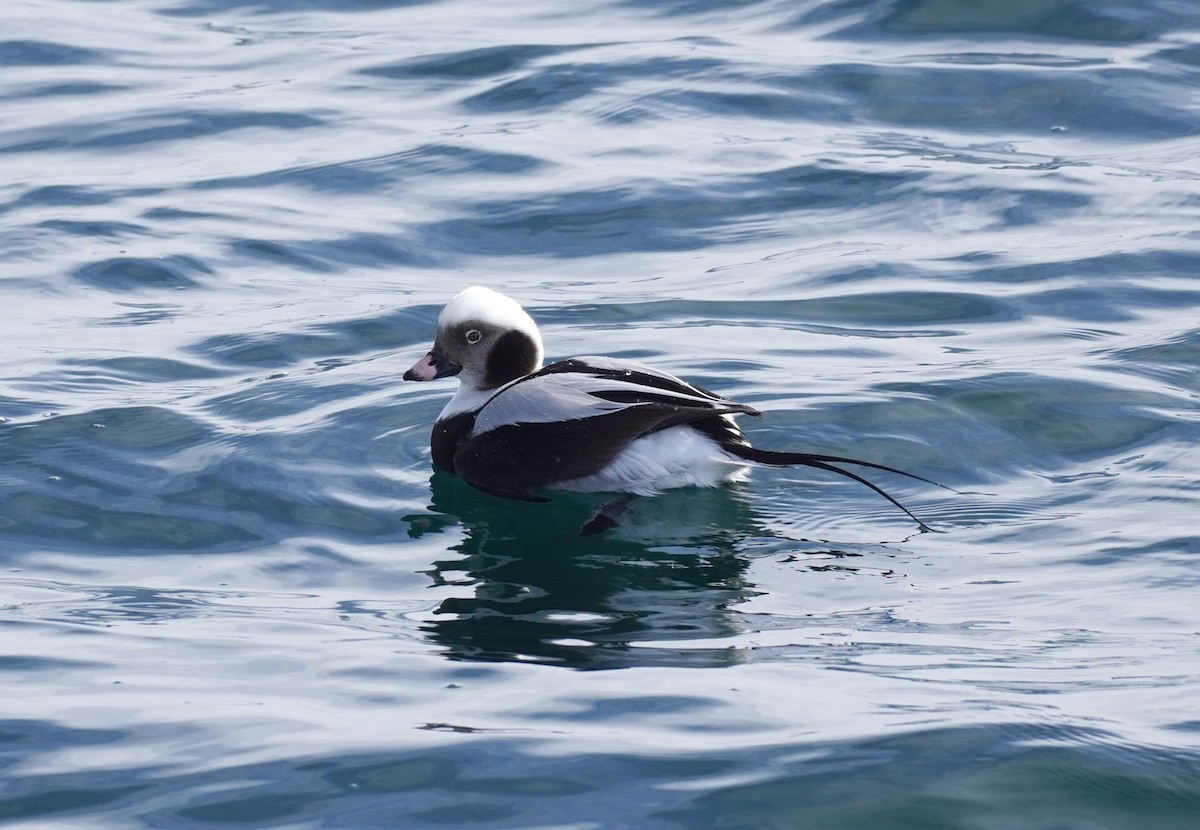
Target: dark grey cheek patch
column 512, row 356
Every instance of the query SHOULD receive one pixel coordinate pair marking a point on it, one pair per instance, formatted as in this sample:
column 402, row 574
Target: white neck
column 468, row 398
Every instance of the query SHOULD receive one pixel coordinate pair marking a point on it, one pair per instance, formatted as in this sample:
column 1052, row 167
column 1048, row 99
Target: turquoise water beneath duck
column 956, row 238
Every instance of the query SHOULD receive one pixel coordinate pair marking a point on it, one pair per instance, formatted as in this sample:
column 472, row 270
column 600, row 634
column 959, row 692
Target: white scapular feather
column 566, row 396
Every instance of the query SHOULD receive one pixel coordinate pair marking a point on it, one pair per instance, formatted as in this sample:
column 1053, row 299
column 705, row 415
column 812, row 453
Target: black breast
column 448, row 435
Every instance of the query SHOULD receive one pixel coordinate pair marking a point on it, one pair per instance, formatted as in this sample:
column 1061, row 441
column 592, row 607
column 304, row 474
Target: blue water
column 957, row 238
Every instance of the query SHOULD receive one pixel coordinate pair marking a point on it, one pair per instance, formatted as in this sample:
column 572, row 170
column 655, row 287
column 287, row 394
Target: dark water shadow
column 47, row 53
column 1026, row 775
column 1034, row 775
column 1065, row 20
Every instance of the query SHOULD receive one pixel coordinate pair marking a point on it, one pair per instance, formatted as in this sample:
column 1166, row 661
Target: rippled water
column 957, row 238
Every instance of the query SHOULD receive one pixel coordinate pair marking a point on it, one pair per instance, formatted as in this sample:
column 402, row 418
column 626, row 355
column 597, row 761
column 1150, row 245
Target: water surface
column 953, row 239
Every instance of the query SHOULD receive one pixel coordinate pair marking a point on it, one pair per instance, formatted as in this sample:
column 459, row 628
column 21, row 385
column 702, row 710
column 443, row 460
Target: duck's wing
column 573, row 418
column 585, row 387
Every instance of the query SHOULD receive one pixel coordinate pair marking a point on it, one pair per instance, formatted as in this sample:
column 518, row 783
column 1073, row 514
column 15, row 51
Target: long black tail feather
column 843, row 460
column 822, row 462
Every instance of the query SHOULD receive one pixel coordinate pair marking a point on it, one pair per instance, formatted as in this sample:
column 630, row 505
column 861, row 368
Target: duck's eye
column 473, row 336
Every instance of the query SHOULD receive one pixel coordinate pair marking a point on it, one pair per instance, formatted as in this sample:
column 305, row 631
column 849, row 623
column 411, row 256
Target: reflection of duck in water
column 667, row 588
column 589, row 424
column 525, row 588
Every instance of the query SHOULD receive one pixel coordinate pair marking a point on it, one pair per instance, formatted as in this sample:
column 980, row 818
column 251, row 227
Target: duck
column 516, row 429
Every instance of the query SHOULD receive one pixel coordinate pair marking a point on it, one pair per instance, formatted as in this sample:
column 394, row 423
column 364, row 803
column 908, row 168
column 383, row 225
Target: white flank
column 675, row 457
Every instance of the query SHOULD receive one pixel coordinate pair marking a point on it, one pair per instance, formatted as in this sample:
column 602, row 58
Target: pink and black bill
column 431, row 367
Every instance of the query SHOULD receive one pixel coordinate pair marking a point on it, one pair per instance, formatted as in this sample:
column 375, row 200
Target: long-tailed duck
column 588, row 424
